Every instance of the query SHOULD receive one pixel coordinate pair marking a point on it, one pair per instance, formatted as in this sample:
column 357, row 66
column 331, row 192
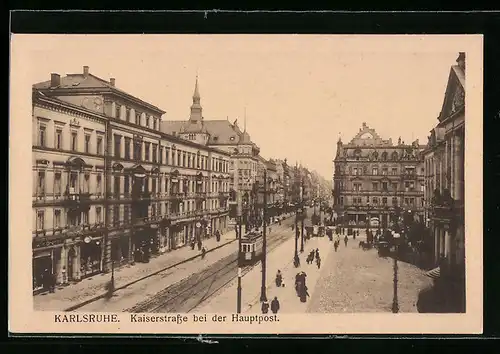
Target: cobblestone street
column 353, row 280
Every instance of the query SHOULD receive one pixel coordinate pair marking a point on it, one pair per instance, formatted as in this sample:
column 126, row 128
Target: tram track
column 187, row 294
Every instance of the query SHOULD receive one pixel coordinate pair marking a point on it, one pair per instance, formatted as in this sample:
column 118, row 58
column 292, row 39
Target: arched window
column 394, row 156
column 357, row 154
column 384, row 156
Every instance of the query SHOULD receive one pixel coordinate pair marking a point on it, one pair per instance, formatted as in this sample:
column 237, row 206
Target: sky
column 299, row 92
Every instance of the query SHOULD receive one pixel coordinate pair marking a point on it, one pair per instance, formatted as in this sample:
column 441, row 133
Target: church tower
column 196, row 110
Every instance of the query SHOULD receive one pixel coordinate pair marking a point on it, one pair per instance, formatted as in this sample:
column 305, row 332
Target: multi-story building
column 110, row 186
column 444, row 172
column 373, row 178
column 224, row 136
column 68, row 190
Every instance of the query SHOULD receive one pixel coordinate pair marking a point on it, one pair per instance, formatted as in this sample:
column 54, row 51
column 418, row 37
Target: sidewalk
column 90, row 288
column 280, row 258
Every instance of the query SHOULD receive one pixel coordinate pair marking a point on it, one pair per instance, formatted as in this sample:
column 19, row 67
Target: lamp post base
column 263, row 296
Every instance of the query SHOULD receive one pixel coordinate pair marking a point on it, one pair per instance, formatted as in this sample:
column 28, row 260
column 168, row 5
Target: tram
column 251, row 248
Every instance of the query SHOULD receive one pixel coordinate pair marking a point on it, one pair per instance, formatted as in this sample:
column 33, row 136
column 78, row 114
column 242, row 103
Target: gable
column 454, row 98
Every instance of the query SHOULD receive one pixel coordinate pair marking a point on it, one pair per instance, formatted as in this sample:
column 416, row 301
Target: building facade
column 68, row 190
column 444, row 159
column 373, row 178
column 110, row 187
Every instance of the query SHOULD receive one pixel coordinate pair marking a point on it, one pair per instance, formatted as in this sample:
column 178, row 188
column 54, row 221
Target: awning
column 434, row 273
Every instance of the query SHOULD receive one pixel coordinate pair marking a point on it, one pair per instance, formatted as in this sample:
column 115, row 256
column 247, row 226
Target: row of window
column 80, row 183
column 409, row 202
column 357, row 171
column 374, row 156
column 152, row 152
column 146, row 151
column 73, row 144
column 149, row 122
column 120, row 214
column 409, row 186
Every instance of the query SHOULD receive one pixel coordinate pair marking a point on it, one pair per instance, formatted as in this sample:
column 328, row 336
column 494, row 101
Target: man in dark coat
column 275, row 305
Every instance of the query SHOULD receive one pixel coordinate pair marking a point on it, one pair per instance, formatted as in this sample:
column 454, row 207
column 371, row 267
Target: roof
column 221, row 130
column 80, row 81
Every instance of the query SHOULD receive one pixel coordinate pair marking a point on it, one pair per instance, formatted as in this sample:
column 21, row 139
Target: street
column 180, row 289
column 353, row 280
column 349, row 280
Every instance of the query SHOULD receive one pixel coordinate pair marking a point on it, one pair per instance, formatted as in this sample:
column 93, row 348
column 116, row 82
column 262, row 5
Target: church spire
column 245, row 121
column 196, row 94
column 196, row 110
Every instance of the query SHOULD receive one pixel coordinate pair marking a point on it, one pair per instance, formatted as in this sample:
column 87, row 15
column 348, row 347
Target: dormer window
column 231, row 138
column 216, row 138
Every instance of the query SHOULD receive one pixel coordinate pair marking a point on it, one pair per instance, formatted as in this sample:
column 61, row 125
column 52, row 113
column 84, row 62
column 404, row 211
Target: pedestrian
column 192, row 244
column 265, row 307
column 345, row 240
column 336, row 245
column 217, row 235
column 275, row 305
column 318, row 262
column 297, row 282
column 296, row 261
column 279, row 279
column 203, row 252
column 64, row 276
column 199, row 245
column 317, row 252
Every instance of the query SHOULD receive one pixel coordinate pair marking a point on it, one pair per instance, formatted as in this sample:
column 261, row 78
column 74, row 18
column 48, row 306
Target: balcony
column 56, row 236
column 201, row 195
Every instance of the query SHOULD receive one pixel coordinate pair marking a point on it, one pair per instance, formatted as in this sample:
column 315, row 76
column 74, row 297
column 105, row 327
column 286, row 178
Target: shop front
column 43, row 264
column 146, row 242
column 46, row 261
column 121, row 249
column 90, row 256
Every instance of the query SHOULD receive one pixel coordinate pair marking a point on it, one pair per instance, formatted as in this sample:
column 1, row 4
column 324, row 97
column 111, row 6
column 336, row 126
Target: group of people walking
column 314, row 254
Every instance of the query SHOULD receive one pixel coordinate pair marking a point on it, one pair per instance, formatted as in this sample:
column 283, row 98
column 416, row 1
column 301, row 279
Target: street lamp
column 263, row 296
column 395, row 304
column 238, row 289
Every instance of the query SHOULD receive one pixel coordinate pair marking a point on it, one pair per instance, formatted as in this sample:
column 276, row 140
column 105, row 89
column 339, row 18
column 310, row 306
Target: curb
column 103, row 295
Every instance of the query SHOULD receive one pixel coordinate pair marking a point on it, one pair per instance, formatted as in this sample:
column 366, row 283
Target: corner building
column 373, row 177
column 110, row 187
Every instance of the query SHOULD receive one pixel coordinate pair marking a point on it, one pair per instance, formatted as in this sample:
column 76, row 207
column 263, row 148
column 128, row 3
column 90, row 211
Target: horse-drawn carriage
column 384, row 248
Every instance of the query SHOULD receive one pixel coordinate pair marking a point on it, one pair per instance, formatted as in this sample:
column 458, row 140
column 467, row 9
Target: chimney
column 55, row 80
column 112, row 81
column 85, row 71
column 461, row 60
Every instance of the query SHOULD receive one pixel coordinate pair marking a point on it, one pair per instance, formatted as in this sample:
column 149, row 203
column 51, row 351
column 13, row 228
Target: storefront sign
column 42, row 254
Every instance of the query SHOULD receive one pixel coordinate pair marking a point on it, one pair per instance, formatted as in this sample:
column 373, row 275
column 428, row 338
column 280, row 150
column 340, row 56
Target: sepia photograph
column 245, row 183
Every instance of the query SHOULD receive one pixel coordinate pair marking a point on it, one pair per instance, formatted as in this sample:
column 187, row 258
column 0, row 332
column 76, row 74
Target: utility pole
column 263, row 296
column 302, row 216
column 238, row 290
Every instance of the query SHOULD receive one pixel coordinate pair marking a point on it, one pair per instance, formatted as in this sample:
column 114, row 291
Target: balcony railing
column 141, row 195
column 54, row 236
